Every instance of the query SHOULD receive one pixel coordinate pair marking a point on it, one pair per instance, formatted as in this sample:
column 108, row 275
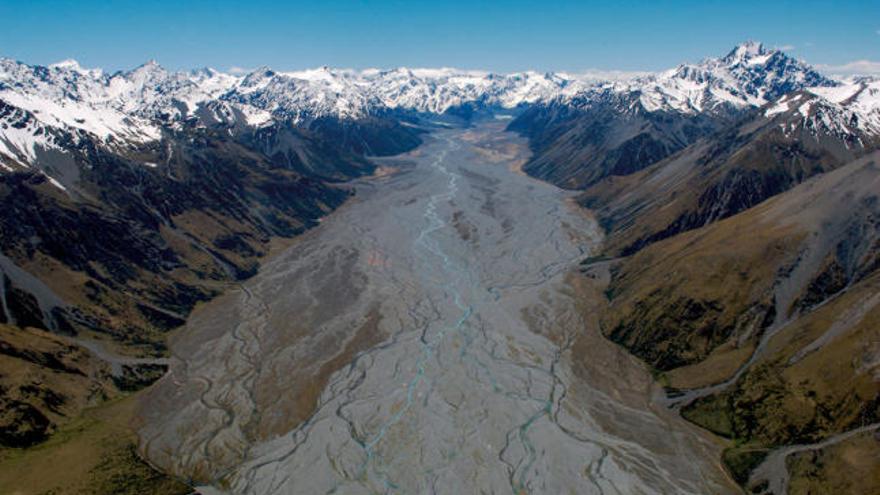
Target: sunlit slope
column 777, row 304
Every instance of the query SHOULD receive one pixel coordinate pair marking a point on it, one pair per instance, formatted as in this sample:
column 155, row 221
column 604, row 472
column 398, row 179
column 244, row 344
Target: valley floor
column 432, row 336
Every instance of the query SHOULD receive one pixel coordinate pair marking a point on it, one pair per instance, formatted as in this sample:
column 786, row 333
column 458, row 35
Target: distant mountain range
column 45, row 107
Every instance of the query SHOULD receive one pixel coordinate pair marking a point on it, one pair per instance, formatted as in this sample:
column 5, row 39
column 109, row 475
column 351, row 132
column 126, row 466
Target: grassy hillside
column 765, row 324
column 66, row 422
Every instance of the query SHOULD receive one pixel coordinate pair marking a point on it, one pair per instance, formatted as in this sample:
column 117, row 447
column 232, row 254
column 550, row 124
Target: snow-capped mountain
column 620, row 127
column 63, row 98
column 336, row 93
column 131, row 108
column 749, row 76
column 857, row 102
column 142, row 189
column 436, row 91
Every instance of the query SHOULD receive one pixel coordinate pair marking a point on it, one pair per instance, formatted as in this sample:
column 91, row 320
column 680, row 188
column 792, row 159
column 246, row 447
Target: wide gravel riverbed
column 426, row 338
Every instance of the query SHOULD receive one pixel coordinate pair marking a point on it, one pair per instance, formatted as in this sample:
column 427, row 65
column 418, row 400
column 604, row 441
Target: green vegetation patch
column 740, row 461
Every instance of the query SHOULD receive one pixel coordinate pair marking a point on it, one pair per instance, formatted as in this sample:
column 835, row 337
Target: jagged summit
column 747, row 50
column 66, row 64
column 150, row 64
column 148, row 68
column 749, row 75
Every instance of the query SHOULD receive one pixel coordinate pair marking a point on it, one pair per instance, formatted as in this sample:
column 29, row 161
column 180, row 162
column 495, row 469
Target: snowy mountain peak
column 204, row 73
column 257, row 76
column 69, row 63
column 149, row 68
column 746, row 51
column 750, row 75
column 71, row 67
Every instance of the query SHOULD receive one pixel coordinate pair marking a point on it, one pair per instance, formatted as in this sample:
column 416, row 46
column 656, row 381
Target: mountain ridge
column 131, row 107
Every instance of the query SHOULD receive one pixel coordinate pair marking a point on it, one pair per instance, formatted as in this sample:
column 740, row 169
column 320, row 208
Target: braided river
column 434, row 335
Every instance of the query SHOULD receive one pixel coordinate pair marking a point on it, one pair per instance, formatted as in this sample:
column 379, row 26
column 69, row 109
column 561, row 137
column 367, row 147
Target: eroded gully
column 421, row 341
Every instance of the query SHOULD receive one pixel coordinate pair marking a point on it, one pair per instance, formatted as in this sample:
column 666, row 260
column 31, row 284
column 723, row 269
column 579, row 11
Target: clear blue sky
column 502, row 36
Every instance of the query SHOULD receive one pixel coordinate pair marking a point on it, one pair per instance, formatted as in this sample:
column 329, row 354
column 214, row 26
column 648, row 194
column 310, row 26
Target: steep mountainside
column 130, row 248
column 754, row 321
column 578, row 142
column 620, row 128
column 128, row 198
column 768, row 152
